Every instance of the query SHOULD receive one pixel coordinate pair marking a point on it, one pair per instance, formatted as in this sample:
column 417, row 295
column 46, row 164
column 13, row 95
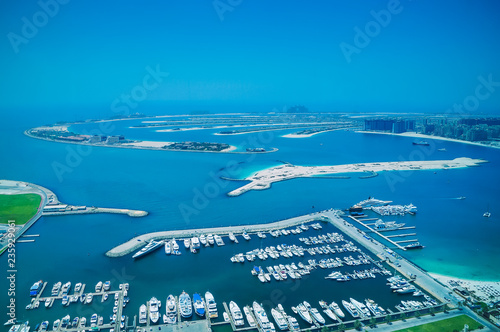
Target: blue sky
column 428, row 57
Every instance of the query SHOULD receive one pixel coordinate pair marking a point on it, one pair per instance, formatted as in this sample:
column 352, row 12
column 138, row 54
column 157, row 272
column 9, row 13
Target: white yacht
column 250, row 319
column 351, row 308
column 106, row 286
column 236, row 314
column 211, row 305
column 203, row 239
column 154, row 310
column 168, row 248
column 151, row 246
column 171, row 310
column 93, row 320
column 195, row 242
column 187, row 243
column 210, row 239
column 246, row 236
column 232, row 237
column 279, row 319
column 143, row 314
column 314, row 313
column 261, row 317
column 98, row 287
column 218, row 240
column 336, row 309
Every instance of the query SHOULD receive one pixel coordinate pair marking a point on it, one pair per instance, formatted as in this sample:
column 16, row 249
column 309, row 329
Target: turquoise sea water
column 182, row 190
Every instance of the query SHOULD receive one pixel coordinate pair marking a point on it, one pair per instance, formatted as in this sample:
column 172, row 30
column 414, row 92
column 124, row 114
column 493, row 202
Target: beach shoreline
column 481, row 289
column 423, row 136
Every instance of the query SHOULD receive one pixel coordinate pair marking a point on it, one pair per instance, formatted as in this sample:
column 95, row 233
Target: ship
column 98, row 287
column 389, row 225
column 304, row 313
column 198, row 305
column 246, row 236
column 187, row 243
column 171, row 310
column 211, row 305
column 414, row 245
column 330, row 314
column 105, row 286
column 168, row 248
column 232, row 237
column 261, row 317
column 185, row 305
column 362, row 309
column 279, row 319
column 218, row 240
column 154, row 310
column 195, row 242
column 250, row 319
column 56, row 288
column 336, row 309
column 424, row 143
column 142, row 314
column 351, row 309
column 236, row 314
column 256, row 150
column 406, row 290
column 375, row 308
column 36, row 288
column 314, row 313
column 151, row 246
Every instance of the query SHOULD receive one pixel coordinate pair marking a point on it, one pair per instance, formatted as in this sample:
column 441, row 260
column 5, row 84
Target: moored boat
column 171, row 310
column 151, row 246
column 154, row 310
column 198, row 305
column 185, row 305
column 236, row 314
column 211, row 305
column 279, row 319
column 143, row 314
column 36, row 288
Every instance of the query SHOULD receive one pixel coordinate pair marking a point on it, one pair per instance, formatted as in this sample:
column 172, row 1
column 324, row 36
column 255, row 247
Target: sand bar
column 263, row 179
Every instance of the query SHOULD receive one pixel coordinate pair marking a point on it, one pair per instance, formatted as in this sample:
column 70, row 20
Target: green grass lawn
column 18, row 207
column 445, row 325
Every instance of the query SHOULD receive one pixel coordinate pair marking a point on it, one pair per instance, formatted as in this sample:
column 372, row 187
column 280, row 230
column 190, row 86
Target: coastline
column 146, row 145
column 293, row 135
column 423, row 136
column 482, row 289
column 263, row 179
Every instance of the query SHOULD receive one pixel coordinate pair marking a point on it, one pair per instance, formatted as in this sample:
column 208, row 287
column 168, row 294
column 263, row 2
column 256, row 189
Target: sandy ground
column 422, row 136
column 148, row 144
column 292, row 135
column 263, row 179
column 484, row 290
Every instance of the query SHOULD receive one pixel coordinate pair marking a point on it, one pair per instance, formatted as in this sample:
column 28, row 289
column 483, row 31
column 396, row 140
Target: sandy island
column 263, row 179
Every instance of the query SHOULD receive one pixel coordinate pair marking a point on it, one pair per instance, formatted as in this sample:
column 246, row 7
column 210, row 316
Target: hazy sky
column 328, row 55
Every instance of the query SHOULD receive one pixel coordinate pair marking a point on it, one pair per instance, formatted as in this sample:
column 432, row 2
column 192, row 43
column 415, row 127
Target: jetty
column 139, row 241
column 90, row 210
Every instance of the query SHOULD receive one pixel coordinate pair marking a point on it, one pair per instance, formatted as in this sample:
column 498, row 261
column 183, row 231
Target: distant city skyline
column 385, row 56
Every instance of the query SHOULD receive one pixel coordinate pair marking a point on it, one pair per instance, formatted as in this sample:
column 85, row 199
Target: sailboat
column 487, row 214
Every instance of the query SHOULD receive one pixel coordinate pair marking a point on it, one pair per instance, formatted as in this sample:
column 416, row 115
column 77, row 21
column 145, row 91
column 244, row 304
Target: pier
column 91, row 210
column 141, row 240
column 401, row 235
column 379, row 234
